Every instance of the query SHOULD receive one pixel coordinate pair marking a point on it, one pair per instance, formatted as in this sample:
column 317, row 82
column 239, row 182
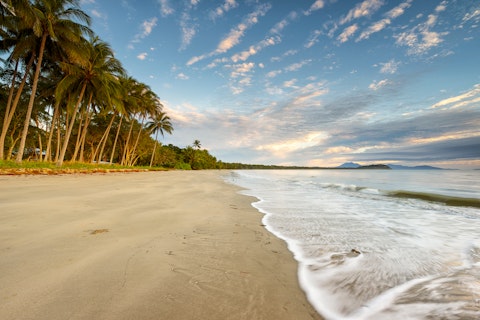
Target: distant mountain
column 400, row 167
column 349, row 165
column 353, row 165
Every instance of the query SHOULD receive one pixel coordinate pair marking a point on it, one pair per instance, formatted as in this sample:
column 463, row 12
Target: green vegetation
column 65, row 97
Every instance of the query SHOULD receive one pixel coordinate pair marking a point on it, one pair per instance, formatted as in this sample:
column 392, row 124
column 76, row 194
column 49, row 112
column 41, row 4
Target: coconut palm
column 160, row 122
column 20, row 44
column 51, row 20
column 99, row 73
column 196, row 144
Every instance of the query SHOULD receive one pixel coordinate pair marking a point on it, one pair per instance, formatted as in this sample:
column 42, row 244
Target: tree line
column 64, row 95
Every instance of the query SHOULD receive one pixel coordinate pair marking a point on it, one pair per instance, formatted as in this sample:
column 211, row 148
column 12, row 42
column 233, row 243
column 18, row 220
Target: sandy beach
column 148, row 245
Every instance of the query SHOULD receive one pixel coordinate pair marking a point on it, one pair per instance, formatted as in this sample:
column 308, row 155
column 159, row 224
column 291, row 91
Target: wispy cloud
column 389, row 67
column 381, row 24
column 182, row 76
column 252, row 50
column 96, row 13
column 283, row 148
column 376, row 85
column 222, row 9
column 296, row 66
column 165, row 8
column 282, row 24
column 187, row 29
column 347, row 33
column 234, row 36
column 285, row 54
column 366, row 8
column 313, row 38
column 420, row 39
column 145, row 29
column 317, row 5
column 469, row 98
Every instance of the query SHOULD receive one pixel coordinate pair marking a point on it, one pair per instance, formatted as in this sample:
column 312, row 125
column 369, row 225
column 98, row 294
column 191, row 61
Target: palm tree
column 196, row 144
column 160, row 122
column 99, row 73
column 51, row 20
column 20, row 43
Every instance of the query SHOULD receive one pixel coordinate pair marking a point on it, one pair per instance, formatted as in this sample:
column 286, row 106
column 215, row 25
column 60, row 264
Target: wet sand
column 149, row 245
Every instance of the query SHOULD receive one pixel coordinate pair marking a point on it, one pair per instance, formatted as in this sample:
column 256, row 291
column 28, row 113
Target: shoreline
column 147, row 245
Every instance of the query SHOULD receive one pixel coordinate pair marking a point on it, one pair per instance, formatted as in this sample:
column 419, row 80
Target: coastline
column 148, row 245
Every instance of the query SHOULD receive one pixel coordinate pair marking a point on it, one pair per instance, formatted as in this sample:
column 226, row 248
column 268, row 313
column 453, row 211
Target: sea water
column 377, row 244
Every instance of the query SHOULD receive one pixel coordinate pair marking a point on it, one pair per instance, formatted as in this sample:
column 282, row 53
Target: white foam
column 403, row 243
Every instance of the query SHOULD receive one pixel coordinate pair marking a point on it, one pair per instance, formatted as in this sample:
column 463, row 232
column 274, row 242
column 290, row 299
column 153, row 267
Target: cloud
column 378, row 85
column 366, row 8
column 474, row 15
column 165, row 8
column 389, row 67
column 317, row 5
column 313, row 38
column 298, row 65
column 224, row 8
column 279, row 26
column 241, row 69
column 273, row 74
column 421, row 39
column 96, row 13
column 187, row 29
column 282, row 148
column 142, row 56
column 471, row 97
column 285, row 54
column 290, row 83
column 182, row 76
column 347, row 33
column 146, row 28
column 381, row 24
column 252, row 50
column 235, row 34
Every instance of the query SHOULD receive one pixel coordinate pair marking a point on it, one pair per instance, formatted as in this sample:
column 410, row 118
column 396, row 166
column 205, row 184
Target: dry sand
column 154, row 245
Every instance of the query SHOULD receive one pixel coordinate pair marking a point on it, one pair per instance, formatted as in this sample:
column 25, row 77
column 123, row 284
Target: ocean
column 377, row 244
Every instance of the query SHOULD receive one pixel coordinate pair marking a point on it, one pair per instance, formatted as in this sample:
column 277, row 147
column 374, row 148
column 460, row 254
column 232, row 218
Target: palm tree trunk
column 59, row 137
column 124, row 157
column 48, row 155
column 11, row 107
column 104, row 139
column 131, row 162
column 77, row 142
column 154, row 149
column 86, row 123
column 70, row 127
column 7, row 111
column 116, row 139
column 26, row 125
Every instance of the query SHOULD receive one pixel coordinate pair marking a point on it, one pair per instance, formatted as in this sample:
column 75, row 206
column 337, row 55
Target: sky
column 308, row 82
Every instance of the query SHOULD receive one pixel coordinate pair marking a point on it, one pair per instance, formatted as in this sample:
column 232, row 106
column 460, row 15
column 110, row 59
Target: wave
column 446, row 200
column 426, row 196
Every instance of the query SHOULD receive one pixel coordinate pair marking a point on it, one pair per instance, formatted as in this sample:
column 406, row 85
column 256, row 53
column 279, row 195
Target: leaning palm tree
column 20, row 44
column 54, row 20
column 160, row 122
column 98, row 73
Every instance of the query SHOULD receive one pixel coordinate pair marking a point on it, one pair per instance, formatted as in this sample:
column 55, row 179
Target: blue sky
column 308, row 82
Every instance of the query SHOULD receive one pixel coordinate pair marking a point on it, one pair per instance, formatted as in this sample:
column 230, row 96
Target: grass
column 37, row 167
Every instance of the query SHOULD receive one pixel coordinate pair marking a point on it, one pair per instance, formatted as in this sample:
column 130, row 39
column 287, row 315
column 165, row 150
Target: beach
column 146, row 245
